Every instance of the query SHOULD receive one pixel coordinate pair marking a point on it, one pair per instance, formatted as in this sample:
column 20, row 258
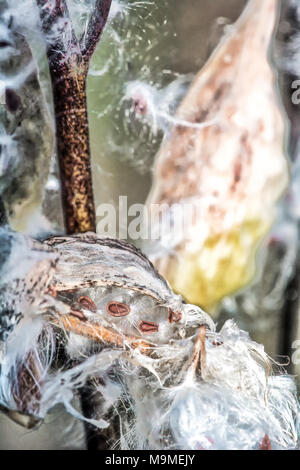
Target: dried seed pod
column 110, row 269
column 88, row 262
column 217, row 172
column 223, row 391
column 118, row 309
column 148, row 326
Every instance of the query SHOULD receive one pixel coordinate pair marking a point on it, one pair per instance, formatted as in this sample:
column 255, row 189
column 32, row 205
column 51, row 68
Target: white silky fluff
column 234, row 405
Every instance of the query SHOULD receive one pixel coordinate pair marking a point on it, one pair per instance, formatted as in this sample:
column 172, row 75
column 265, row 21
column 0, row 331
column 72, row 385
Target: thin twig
column 95, row 27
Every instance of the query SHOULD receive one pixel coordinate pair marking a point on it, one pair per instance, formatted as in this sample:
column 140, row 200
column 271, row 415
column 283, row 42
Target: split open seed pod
column 111, row 286
column 103, row 315
column 83, row 294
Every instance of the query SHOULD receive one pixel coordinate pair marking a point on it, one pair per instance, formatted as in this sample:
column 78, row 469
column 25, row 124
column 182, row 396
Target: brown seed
column 87, row 303
column 78, row 314
column 148, row 326
column 265, row 443
column 118, row 309
column 174, row 317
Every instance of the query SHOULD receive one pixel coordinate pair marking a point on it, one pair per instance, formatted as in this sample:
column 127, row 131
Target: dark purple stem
column 68, row 61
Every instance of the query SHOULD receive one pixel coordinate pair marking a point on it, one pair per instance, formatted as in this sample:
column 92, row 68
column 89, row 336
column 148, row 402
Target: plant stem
column 73, row 147
column 68, row 60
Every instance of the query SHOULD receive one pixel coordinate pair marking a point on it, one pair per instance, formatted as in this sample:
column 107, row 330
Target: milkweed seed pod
column 26, row 133
column 112, row 282
column 164, row 378
column 231, row 173
column 99, row 291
